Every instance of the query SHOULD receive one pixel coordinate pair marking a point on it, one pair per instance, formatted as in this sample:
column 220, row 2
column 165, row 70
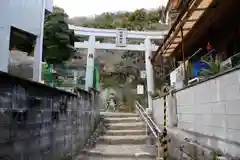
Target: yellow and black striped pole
column 165, row 141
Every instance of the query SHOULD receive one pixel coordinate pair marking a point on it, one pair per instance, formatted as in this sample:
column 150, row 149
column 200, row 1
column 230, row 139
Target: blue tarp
column 197, row 66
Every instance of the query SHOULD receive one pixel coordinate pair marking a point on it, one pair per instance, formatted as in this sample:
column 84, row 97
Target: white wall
column 211, row 108
column 158, row 111
column 49, row 5
column 22, row 14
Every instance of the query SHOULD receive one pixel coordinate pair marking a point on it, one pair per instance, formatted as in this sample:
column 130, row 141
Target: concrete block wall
column 212, row 107
column 43, row 123
column 209, row 110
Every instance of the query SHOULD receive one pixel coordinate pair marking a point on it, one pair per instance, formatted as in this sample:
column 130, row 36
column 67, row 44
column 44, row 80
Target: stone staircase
column 125, row 139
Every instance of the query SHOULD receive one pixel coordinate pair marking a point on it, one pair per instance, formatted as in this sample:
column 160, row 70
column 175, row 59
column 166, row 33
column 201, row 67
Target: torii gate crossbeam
column 108, row 46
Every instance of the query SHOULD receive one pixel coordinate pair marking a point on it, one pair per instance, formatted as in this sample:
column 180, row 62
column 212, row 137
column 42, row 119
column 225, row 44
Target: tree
column 140, row 19
column 58, row 38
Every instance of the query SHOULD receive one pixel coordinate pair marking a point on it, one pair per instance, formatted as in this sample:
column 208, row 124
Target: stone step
column 122, row 119
column 136, row 139
column 126, row 126
column 118, row 115
column 122, row 151
column 125, row 132
column 109, row 158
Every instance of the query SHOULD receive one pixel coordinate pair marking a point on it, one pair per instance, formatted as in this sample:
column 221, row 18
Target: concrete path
column 125, row 139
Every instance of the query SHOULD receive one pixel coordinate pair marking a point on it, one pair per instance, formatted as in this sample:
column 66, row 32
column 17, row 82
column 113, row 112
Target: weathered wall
column 210, row 111
column 38, row 122
column 212, row 108
column 23, row 14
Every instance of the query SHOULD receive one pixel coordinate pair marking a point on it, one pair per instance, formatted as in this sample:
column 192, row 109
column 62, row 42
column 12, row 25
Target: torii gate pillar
column 90, row 63
column 149, row 71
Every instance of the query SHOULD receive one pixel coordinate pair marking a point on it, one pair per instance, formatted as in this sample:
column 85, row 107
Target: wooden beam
column 194, row 4
column 186, row 29
column 210, row 18
column 200, row 9
column 192, row 20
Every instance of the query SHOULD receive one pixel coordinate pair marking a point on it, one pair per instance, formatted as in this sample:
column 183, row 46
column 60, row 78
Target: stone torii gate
column 121, row 36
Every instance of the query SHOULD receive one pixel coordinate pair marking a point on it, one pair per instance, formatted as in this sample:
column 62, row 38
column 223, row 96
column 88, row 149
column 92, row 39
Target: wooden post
column 162, row 67
column 183, row 55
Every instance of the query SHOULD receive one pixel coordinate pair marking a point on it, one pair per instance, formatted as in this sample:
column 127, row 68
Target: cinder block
column 232, row 92
column 233, row 122
column 208, row 130
column 203, row 109
column 233, row 150
column 199, row 128
column 186, row 126
column 233, row 107
column 198, row 119
column 185, row 110
column 220, row 132
column 187, row 118
column 214, row 120
column 233, row 135
column 218, row 108
column 231, row 79
column 4, row 134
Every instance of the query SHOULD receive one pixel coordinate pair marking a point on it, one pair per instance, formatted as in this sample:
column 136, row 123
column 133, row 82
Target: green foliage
column 214, row 67
column 154, row 94
column 110, row 81
column 45, row 71
column 140, row 19
column 50, row 77
column 190, row 70
column 58, row 38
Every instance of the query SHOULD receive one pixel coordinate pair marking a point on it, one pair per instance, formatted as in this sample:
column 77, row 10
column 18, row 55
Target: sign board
column 143, row 74
column 121, row 38
column 173, row 78
column 176, row 77
column 140, row 89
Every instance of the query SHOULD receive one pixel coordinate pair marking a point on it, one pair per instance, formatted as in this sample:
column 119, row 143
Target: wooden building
column 200, row 24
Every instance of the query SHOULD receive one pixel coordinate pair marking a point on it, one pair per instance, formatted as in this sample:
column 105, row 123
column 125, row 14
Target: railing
column 39, row 122
column 157, row 133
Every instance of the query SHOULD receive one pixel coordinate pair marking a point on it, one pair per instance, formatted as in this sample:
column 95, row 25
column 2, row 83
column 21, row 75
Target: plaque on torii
column 121, row 38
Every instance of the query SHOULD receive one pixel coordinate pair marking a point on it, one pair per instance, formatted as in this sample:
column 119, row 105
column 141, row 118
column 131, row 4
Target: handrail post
column 153, row 128
column 149, row 113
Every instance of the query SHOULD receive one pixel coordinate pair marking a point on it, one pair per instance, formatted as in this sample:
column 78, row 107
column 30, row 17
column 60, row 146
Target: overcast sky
column 92, row 7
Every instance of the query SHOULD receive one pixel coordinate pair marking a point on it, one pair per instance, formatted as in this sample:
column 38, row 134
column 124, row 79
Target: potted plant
column 213, row 67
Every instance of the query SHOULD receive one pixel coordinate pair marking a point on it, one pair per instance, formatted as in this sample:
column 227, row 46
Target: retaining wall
column 209, row 110
column 38, row 122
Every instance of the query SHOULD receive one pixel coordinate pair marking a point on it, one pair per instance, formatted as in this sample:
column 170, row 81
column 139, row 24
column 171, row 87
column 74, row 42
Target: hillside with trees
column 140, row 20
